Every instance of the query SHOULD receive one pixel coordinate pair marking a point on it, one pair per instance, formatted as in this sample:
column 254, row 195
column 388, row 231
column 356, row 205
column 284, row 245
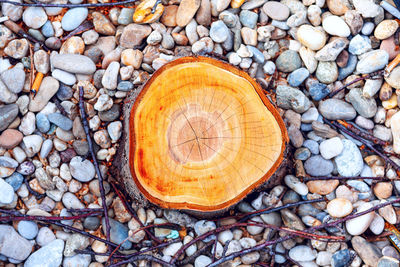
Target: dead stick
column 368, row 76
column 96, row 165
column 147, row 257
column 362, row 134
column 45, row 218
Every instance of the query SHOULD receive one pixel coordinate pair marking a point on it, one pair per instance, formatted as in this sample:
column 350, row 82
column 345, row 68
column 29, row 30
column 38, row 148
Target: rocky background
column 346, row 138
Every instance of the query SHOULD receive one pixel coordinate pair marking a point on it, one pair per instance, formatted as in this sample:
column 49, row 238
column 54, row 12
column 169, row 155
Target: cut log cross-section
column 200, row 136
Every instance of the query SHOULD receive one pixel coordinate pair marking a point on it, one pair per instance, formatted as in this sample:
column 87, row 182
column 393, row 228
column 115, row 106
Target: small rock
column 360, row 224
column 186, row 11
column 12, row 245
column 372, row 61
column 82, row 170
column 335, row 109
column 133, row 35
column 34, row 17
column 288, row 61
column 339, row 207
column 28, row 229
column 366, row 107
column 73, row 18
column 367, row 251
column 385, row 29
column 359, row 44
column 52, row 252
column 6, row 193
column 318, row 166
column 9, row 138
column 73, row 63
column 276, row 10
column 388, row 262
column 311, row 37
column 14, row 79
column 322, row 187
column 291, row 98
column 302, row 253
column 327, row 72
column 336, row 26
column 60, row 120
column 331, row 148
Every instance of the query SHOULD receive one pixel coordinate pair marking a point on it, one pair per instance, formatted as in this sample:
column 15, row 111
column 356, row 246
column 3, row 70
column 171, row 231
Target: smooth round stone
column 377, row 225
column 331, row 148
column 15, row 180
column 385, row 29
column 298, row 76
column 73, row 18
column 366, row 107
column 318, row 166
column 91, row 223
column 350, row 161
column 372, row 61
column 311, row 37
column 77, row 260
column 28, row 229
column 258, row 56
column 327, row 72
column 202, row 261
column 360, row 224
column 359, row 44
column 126, row 16
column 288, row 61
column 293, row 183
column 302, row 153
column 64, row 92
column 368, row 28
column 276, row 10
column 45, row 236
column 64, row 77
column 125, row 86
column 339, row 207
column 302, row 253
column 110, row 115
column 81, row 170
column 312, row 146
column 26, row 168
column 60, row 120
column 47, row 29
column 52, row 254
column 219, row 32
column 341, row 258
column 42, row 123
column 390, row 252
column 318, row 91
column 203, row 226
column 248, row 18
column 336, row 109
column 34, row 17
column 46, row 148
column 336, row 26
column 14, row 79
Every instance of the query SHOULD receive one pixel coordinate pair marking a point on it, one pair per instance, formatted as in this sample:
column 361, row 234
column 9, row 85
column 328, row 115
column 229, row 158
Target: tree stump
column 200, row 135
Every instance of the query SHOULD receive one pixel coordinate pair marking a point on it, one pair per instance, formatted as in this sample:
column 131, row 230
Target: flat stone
column 372, row 61
column 385, row 29
column 360, row 224
column 82, row 170
column 298, row 76
column 47, row 256
column 335, row 109
column 368, row 252
column 318, row 166
column 332, row 50
column 311, row 37
column 34, row 17
column 302, row 253
column 12, row 245
column 366, row 107
column 73, row 63
column 359, row 44
column 288, row 61
column 14, row 79
column 276, row 10
column 331, row 148
column 186, row 11
column 386, row 261
column 336, row 26
column 350, row 161
column 133, row 35
column 394, row 78
column 291, row 98
column 73, row 18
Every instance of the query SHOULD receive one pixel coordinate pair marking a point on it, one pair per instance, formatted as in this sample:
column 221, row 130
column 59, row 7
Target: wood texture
column 201, row 136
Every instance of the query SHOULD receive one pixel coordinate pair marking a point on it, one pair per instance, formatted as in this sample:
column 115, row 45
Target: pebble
column 318, row 91
column 367, row 8
column 339, row 207
column 82, row 170
column 288, row 61
column 331, row 51
column 291, row 98
column 14, row 79
column 367, row 251
column 17, row 48
column 336, row 26
column 45, row 236
column 327, row 72
column 28, row 229
column 341, row 258
column 73, row 18
column 302, row 253
column 186, row 11
column 10, row 138
column 13, row 245
column 81, row 260
column 377, row 225
column 311, row 37
column 359, row 44
column 15, row 180
column 298, row 76
column 73, row 63
column 34, row 17
column 202, row 261
column 52, row 252
column 366, row 107
column 372, row 61
column 350, row 161
column 293, row 183
column 360, row 224
column 336, row 109
column 219, row 32
column 331, row 148
column 350, row 67
column 248, row 18
column 64, row 77
column 6, row 193
column 388, row 213
column 318, row 166
column 276, row 10
column 385, row 29
column 47, row 90
column 70, row 201
column 60, row 120
column 118, row 233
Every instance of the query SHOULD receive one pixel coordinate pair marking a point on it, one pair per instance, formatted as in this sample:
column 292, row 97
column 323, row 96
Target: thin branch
column 96, row 164
column 69, row 5
column 45, row 218
column 319, row 178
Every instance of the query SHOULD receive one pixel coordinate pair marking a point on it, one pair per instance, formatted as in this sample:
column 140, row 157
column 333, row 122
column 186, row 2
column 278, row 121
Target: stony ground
column 305, row 50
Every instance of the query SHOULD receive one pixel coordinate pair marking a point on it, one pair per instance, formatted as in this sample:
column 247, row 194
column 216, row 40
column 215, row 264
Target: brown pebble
column 168, row 17
column 383, row 190
column 389, row 46
column 10, row 138
column 322, row 187
column 342, row 59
